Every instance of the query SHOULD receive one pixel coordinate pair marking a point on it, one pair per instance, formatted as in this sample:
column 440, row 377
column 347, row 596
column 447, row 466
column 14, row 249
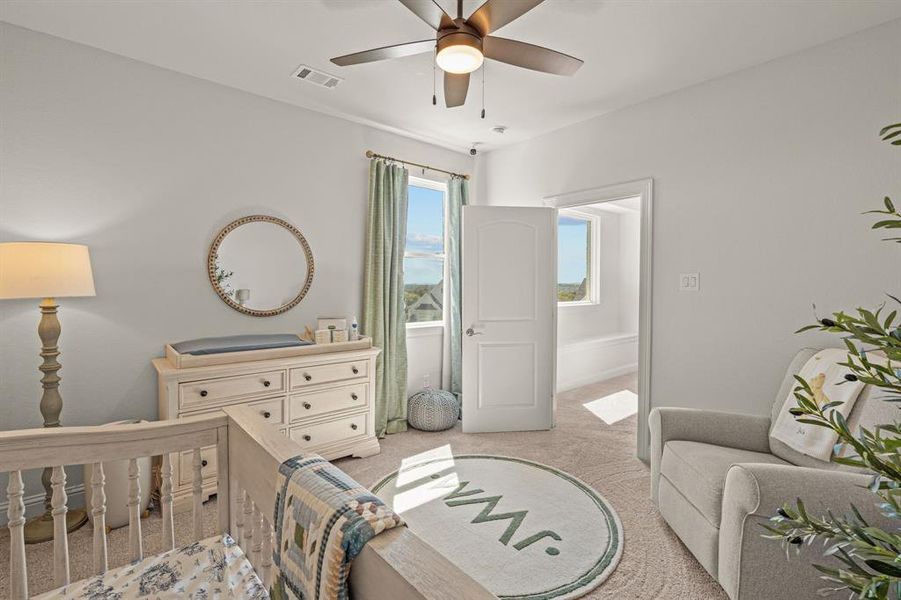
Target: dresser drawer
column 186, row 465
column 272, row 410
column 198, row 394
column 335, row 399
column 302, row 377
column 313, row 436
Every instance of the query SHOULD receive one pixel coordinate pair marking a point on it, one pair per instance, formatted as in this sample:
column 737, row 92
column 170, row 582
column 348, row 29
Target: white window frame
column 441, row 187
column 594, row 267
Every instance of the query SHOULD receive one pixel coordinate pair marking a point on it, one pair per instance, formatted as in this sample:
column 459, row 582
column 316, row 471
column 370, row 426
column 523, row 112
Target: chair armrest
column 733, row 430
column 753, row 567
column 760, row 489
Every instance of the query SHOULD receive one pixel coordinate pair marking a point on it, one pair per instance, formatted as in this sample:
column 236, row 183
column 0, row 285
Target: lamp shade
column 45, row 270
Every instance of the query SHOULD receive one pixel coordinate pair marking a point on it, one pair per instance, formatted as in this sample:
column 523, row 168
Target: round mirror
column 260, row 265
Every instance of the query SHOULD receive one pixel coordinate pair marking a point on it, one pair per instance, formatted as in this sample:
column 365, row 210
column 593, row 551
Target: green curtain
column 383, row 292
column 457, row 198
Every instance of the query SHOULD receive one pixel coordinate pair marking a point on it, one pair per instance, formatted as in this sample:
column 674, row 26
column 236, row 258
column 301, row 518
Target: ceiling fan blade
column 395, row 51
column 455, row 88
column 430, row 12
column 530, row 56
column 494, row 14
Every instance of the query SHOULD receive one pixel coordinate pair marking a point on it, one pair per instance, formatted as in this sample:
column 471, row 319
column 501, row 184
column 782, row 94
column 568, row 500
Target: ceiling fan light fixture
column 459, row 53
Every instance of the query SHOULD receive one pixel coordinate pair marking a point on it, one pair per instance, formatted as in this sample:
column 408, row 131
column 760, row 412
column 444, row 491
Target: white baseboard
column 34, row 504
column 596, row 377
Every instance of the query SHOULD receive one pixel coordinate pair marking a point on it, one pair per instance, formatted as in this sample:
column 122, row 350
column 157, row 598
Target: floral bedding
column 212, row 568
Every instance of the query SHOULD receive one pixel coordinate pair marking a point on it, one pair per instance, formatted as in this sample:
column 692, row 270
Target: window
column 424, row 255
column 575, row 258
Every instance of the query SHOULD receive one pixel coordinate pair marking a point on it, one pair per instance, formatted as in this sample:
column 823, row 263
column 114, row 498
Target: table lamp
column 48, row 271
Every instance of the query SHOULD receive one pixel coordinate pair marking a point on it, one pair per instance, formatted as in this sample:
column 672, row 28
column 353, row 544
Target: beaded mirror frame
column 254, row 312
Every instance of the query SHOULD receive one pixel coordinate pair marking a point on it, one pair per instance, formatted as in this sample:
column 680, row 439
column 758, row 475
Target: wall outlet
column 426, row 381
column 689, row 282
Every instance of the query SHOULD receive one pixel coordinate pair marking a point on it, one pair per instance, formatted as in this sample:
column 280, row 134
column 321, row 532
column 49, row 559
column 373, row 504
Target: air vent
column 316, row 77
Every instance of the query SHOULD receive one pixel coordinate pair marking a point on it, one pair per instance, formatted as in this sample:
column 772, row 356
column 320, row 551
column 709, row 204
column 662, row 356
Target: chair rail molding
column 643, row 189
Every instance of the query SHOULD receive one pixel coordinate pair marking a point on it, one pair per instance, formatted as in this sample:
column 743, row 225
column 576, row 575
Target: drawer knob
column 355, row 370
column 307, row 405
column 307, row 376
column 353, row 426
column 353, row 396
column 203, row 393
column 266, row 414
column 266, row 383
column 204, row 463
column 307, row 438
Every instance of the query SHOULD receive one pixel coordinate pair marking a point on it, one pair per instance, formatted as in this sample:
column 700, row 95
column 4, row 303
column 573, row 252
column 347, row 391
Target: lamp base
column 40, row 529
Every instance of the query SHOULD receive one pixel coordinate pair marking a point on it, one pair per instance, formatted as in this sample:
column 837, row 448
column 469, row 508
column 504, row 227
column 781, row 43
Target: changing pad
column 238, row 343
column 212, row 568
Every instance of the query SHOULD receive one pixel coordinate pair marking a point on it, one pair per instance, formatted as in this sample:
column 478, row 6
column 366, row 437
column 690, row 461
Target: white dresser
column 324, row 402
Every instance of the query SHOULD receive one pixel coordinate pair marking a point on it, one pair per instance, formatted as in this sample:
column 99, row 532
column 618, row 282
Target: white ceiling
column 633, row 50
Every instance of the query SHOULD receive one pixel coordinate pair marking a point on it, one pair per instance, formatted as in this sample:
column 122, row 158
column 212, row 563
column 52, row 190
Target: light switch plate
column 689, row 282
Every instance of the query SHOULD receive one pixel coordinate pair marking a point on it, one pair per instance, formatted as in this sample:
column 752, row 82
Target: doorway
column 604, row 296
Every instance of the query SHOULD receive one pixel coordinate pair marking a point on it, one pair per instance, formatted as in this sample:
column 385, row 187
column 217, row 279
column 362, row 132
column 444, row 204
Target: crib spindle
column 59, row 509
column 238, row 513
column 15, row 490
column 166, row 503
column 266, row 561
column 198, row 495
column 134, row 510
column 98, row 509
column 257, row 542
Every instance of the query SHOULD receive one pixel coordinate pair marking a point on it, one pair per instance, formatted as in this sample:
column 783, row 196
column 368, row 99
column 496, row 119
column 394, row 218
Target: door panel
column 509, row 318
column 506, row 288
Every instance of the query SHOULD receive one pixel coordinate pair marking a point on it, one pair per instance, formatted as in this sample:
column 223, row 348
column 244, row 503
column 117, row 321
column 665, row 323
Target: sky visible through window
column 424, row 255
column 573, row 245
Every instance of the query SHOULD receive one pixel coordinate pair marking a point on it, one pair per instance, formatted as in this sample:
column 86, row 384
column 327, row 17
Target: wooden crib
column 396, row 565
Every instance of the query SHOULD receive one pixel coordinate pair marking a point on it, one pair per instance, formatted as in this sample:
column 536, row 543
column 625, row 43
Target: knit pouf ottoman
column 432, row 410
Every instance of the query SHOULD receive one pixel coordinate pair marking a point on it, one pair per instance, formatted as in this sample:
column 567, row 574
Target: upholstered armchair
column 716, row 477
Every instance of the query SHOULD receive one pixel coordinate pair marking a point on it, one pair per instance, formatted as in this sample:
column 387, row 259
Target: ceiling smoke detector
column 316, row 77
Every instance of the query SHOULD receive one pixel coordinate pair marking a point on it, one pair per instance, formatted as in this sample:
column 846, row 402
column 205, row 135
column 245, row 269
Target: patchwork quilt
column 323, row 518
column 212, row 568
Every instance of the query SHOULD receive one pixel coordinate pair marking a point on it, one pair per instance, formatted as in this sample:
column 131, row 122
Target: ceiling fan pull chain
column 484, row 66
column 434, row 77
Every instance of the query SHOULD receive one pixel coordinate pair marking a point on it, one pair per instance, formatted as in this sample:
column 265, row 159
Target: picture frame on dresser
column 322, row 400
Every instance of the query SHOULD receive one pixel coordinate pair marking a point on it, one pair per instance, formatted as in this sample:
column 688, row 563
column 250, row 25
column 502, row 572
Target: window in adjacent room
column 424, row 255
column 576, row 260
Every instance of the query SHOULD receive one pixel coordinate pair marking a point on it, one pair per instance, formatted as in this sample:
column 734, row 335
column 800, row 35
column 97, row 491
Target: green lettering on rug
column 461, row 498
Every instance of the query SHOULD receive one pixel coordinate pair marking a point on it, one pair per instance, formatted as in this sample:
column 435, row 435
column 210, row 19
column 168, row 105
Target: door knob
column 471, row 332
column 307, row 438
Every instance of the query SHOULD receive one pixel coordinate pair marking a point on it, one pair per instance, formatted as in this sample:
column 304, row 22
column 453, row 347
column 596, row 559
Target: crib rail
column 396, row 565
column 58, row 447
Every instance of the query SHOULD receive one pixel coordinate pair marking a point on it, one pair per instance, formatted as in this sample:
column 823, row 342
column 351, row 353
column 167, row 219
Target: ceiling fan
column 462, row 44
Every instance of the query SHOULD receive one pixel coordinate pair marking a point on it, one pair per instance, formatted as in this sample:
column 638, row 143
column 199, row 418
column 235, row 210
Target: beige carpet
column 655, row 565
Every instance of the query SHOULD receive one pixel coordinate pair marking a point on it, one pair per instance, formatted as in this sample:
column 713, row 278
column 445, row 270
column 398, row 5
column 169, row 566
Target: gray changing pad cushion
column 238, row 343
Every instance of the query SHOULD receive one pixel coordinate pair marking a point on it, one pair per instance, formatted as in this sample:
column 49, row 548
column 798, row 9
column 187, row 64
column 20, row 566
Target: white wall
column 760, row 179
column 145, row 166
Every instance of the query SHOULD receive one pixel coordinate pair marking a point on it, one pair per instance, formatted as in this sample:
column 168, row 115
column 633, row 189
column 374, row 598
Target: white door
column 509, row 318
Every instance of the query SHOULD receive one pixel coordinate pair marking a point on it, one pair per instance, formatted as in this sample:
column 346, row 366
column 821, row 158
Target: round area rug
column 524, row 530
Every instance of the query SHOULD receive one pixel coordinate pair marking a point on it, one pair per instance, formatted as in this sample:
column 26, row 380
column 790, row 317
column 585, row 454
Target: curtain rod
column 371, row 154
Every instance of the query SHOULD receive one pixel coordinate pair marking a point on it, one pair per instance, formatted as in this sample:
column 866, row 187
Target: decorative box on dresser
column 323, row 401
